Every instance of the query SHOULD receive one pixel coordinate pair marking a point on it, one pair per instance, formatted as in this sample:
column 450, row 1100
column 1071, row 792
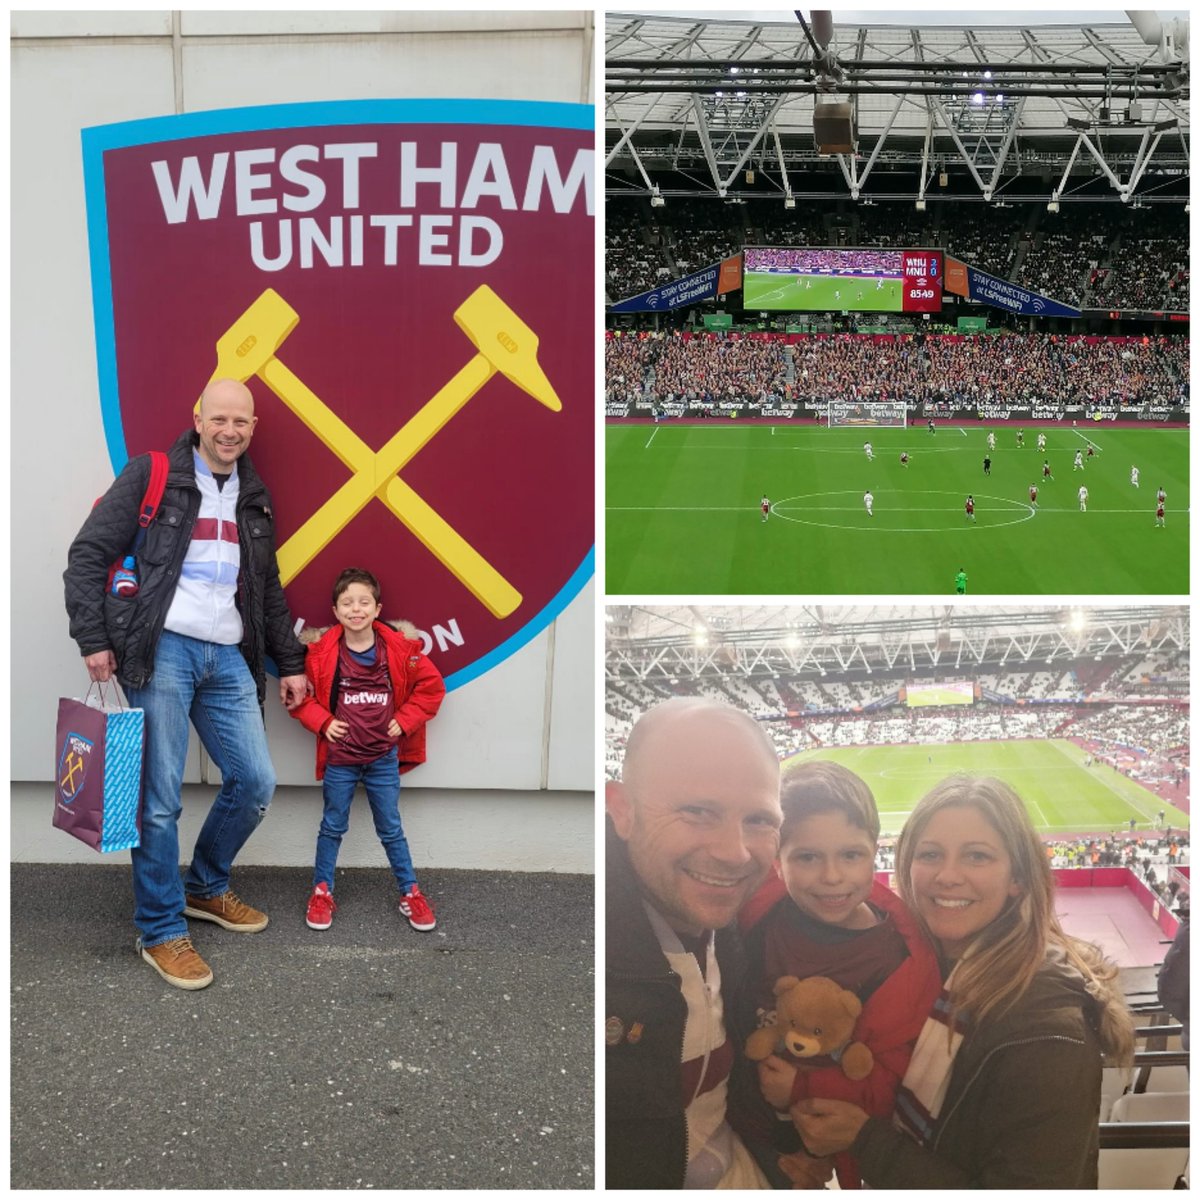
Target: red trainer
column 416, row 908
column 320, row 908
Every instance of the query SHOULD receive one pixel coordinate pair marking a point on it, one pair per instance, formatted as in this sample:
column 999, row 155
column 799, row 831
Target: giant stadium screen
column 821, row 279
column 944, row 691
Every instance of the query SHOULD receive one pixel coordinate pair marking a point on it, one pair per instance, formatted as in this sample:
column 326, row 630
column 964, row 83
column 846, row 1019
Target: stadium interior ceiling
column 664, row 643
column 993, row 114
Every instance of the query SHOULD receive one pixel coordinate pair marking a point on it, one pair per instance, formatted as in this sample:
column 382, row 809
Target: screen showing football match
column 945, row 691
column 823, row 279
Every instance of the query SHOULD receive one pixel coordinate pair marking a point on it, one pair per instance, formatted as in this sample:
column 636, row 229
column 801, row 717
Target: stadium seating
column 1096, row 256
column 702, row 370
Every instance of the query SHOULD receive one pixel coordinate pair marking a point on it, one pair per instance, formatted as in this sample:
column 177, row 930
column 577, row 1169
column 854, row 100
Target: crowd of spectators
column 1158, row 674
column 1143, row 271
column 671, row 368
column 1095, row 255
column 872, row 261
column 1014, row 369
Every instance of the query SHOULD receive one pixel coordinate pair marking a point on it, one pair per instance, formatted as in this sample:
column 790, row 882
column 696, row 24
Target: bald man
column 694, row 829
column 191, row 644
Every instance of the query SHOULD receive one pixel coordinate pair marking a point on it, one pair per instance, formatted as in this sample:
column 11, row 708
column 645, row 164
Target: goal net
column 868, row 412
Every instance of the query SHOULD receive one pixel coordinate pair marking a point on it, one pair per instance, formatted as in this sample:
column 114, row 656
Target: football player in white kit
column 869, row 451
column 1083, row 499
column 868, row 500
column 1133, row 476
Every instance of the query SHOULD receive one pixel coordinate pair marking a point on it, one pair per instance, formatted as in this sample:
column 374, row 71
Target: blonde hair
column 1001, row 961
column 822, row 786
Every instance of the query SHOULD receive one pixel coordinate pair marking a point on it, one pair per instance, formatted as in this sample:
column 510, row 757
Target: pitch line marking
column 1100, row 778
column 652, row 437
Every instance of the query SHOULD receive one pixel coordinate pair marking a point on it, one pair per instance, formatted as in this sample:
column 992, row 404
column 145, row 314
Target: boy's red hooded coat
column 416, row 682
column 891, row 1019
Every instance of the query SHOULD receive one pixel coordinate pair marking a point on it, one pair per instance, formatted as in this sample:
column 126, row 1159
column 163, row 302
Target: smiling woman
column 1004, row 1084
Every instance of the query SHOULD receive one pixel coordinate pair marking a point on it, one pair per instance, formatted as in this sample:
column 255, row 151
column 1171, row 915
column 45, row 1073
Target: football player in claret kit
column 1161, row 497
column 1083, row 499
column 1046, row 469
column 970, row 507
column 1033, row 494
column 765, row 506
column 904, row 458
column 1091, row 450
column 1160, row 515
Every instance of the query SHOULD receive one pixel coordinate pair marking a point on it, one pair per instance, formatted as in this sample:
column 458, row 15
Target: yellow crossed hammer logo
column 74, row 765
column 503, row 343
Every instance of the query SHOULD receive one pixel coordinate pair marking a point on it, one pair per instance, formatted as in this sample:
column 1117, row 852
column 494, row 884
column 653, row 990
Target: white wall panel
column 488, row 65
column 573, row 705
column 90, row 24
column 223, row 23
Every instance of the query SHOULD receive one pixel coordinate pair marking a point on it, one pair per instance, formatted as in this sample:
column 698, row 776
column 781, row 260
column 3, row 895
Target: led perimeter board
column 821, row 279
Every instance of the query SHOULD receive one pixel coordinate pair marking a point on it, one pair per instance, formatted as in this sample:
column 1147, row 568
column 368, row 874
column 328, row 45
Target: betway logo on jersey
column 406, row 287
column 364, row 697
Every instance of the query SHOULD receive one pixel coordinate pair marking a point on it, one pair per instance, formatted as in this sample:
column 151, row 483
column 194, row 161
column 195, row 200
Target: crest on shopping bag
column 406, row 287
column 73, row 765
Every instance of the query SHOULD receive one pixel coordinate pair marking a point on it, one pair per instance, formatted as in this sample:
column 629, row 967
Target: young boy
column 373, row 691
column 824, row 913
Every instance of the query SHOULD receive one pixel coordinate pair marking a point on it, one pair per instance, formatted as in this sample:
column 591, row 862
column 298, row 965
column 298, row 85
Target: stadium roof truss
column 650, row 644
column 1062, row 104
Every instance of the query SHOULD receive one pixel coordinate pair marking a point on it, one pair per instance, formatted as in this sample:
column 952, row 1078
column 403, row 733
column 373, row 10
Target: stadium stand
column 1093, row 256
column 698, row 371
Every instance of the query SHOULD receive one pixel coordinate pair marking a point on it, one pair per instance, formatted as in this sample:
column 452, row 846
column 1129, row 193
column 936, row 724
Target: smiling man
column 189, row 641
column 694, row 828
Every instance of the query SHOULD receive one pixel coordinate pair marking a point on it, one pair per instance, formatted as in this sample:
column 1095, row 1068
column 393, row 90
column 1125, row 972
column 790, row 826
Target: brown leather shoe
column 227, row 911
column 178, row 963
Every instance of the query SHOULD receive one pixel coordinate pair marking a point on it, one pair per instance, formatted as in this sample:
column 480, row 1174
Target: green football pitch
column 683, row 511
column 1062, row 795
column 764, row 290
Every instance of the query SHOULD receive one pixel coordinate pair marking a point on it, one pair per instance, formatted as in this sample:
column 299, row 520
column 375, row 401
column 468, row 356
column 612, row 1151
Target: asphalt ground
column 366, row 1056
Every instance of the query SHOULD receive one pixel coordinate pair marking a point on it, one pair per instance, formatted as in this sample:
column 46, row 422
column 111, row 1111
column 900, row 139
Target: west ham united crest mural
column 407, row 287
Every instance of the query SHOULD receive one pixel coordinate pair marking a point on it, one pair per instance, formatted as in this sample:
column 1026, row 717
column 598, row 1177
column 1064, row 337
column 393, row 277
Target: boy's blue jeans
column 212, row 686
column 381, row 778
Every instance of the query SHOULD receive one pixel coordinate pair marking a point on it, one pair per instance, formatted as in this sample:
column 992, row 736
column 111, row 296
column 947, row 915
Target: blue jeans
column 381, row 778
column 212, row 686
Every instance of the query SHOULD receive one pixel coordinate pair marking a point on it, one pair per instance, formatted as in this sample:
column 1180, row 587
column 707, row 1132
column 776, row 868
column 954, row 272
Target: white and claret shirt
column 204, row 605
column 706, row 1060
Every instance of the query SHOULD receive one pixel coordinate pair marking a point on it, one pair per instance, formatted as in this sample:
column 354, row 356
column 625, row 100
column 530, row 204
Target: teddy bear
column 814, row 1016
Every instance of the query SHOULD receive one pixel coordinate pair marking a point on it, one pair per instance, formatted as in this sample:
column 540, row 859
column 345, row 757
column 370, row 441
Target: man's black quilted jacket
column 130, row 626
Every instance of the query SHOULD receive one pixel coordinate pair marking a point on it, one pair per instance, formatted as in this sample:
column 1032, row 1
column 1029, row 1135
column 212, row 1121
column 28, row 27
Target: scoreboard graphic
column 824, row 279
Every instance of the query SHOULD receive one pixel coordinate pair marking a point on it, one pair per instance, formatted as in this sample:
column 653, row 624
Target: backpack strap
column 152, row 498
column 154, row 489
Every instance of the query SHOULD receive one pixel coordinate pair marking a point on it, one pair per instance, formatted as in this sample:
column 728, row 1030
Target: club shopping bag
column 98, row 777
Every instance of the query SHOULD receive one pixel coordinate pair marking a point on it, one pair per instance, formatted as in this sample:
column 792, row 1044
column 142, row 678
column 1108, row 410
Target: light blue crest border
column 101, row 138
